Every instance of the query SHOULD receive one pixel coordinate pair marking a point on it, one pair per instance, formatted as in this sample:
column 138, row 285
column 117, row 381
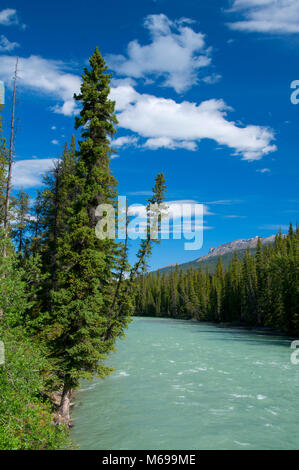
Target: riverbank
column 233, row 325
column 255, row 329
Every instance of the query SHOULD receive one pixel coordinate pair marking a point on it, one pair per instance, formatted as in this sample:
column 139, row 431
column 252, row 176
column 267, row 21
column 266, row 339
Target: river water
column 187, row 385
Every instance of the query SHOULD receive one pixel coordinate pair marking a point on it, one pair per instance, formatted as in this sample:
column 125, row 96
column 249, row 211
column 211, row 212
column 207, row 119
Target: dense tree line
column 260, row 289
column 66, row 294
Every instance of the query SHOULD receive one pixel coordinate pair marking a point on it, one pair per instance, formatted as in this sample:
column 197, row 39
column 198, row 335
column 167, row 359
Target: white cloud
column 175, row 54
column 8, row 17
column 123, row 95
column 6, row 45
column 167, row 123
column 28, row 173
column 53, row 128
column 166, row 142
column 124, row 141
column 54, row 142
column 180, row 216
column 263, row 170
column 211, row 79
column 173, row 208
column 161, row 122
column 267, row 16
column 234, row 216
column 44, row 76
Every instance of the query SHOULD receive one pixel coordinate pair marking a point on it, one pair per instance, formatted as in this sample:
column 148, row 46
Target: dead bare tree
column 10, row 155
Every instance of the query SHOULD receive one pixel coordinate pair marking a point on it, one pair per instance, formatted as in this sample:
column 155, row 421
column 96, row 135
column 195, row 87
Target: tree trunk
column 64, row 407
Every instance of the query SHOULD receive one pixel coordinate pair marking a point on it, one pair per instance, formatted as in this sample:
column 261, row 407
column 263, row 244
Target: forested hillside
column 261, row 289
column 209, row 263
column 64, row 296
column 226, row 251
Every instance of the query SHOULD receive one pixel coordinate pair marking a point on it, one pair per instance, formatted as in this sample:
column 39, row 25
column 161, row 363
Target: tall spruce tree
column 58, row 197
column 86, row 263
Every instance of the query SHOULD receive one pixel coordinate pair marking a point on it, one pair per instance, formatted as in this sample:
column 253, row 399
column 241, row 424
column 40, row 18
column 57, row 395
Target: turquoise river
column 186, row 385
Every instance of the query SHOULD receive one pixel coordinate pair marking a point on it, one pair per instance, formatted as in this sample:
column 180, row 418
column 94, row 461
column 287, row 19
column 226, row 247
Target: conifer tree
column 21, row 219
column 58, row 197
column 86, row 263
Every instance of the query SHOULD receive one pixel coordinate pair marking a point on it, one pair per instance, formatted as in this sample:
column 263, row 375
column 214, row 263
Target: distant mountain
column 226, row 251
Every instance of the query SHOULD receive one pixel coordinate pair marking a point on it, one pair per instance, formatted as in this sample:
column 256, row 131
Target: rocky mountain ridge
column 225, row 250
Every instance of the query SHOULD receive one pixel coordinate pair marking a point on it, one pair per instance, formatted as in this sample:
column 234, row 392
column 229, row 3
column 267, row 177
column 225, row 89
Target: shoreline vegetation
column 229, row 325
column 66, row 294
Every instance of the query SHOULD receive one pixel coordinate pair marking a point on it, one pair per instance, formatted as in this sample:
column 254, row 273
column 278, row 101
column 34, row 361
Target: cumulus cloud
column 175, row 54
column 266, row 16
column 44, row 76
column 167, row 123
column 8, row 17
column 166, row 142
column 124, row 141
column 28, row 173
column 162, row 123
column 6, row 45
column 123, row 94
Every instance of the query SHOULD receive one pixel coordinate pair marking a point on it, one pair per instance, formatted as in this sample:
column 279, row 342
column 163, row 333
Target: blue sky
column 202, row 93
